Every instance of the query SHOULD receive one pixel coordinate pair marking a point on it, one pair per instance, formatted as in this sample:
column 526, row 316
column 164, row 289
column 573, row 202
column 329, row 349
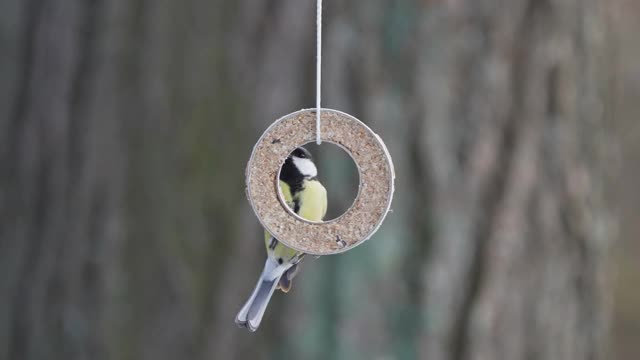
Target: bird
column 307, row 197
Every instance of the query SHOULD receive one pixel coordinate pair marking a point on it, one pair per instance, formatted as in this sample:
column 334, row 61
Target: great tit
column 306, row 196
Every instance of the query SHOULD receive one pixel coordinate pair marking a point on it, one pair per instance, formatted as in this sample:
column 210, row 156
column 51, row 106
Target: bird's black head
column 298, row 166
column 301, row 153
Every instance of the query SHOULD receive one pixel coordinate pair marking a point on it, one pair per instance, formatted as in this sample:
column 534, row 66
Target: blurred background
column 125, row 127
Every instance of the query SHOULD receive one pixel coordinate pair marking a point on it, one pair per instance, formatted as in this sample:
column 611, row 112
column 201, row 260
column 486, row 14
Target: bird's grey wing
column 285, row 280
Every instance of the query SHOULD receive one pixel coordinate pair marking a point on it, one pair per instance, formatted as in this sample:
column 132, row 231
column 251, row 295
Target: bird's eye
column 280, row 261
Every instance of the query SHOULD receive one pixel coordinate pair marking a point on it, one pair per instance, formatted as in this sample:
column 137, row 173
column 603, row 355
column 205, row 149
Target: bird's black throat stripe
column 296, row 205
column 296, row 188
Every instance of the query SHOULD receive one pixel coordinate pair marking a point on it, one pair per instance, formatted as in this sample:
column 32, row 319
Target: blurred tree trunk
column 124, row 133
column 514, row 145
column 122, row 179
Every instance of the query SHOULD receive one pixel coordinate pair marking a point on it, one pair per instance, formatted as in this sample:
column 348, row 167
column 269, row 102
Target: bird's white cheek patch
column 306, row 166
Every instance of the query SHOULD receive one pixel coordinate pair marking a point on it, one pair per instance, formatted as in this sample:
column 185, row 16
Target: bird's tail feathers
column 253, row 310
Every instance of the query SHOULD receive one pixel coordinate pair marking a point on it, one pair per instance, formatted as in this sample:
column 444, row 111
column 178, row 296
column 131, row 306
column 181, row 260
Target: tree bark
column 514, row 147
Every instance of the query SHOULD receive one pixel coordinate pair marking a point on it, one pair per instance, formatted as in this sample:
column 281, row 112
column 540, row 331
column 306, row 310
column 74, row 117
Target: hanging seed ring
column 375, row 191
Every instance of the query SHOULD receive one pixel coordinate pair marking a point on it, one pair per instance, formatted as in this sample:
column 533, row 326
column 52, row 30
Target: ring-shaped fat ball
column 375, row 191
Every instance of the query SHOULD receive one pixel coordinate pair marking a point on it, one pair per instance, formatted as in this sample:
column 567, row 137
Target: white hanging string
column 318, row 67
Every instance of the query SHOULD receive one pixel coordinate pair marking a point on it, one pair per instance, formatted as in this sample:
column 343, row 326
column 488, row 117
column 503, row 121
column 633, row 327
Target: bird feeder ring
column 369, row 208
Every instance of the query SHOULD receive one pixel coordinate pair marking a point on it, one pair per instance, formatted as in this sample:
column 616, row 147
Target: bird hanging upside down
column 306, row 196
